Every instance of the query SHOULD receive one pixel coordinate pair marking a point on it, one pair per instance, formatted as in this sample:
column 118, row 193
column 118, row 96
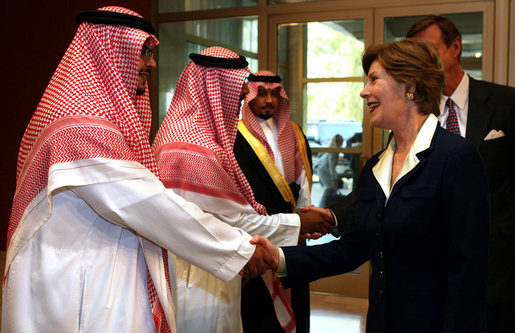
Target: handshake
column 314, row 222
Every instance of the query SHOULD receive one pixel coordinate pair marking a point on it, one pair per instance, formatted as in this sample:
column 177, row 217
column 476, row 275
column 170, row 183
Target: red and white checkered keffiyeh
column 292, row 163
column 89, row 110
column 292, row 160
column 194, row 145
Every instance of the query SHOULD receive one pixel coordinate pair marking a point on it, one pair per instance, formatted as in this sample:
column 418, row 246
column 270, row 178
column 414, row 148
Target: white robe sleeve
column 281, row 229
column 305, row 192
column 144, row 205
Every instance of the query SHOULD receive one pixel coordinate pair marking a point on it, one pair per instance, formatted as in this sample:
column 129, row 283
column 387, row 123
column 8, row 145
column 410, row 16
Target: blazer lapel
column 379, row 194
column 422, row 161
column 479, row 113
column 398, row 185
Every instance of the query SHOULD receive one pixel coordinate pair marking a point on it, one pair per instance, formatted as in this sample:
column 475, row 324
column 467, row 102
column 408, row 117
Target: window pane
column 333, row 108
column 179, row 39
column 334, row 120
column 334, row 49
column 321, row 66
column 327, row 55
column 334, row 101
column 470, row 26
column 168, row 6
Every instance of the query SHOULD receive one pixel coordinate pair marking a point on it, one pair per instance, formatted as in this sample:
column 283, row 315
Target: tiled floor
column 329, row 313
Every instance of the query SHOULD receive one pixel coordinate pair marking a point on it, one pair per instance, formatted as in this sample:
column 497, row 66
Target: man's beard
column 265, row 115
column 140, row 91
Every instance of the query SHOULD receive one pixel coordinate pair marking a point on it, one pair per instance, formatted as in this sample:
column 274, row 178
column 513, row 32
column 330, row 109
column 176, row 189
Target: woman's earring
column 410, row 96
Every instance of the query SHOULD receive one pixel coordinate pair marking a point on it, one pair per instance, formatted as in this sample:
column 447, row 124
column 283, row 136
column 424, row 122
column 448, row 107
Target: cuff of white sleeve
column 281, row 269
column 334, row 218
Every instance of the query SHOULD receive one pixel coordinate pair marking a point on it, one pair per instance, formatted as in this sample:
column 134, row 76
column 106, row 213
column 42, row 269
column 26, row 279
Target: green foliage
column 333, row 52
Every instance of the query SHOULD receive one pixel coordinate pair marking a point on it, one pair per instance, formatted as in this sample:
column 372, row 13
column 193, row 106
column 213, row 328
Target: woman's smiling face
column 385, row 97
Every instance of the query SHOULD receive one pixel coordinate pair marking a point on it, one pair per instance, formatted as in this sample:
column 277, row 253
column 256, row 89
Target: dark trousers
column 501, row 317
column 258, row 313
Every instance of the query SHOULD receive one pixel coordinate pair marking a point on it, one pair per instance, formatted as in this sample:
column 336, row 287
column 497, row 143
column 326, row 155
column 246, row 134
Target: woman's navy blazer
column 427, row 244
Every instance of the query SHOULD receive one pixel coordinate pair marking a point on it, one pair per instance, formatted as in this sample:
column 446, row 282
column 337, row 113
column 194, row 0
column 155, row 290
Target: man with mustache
column 91, row 222
column 276, row 160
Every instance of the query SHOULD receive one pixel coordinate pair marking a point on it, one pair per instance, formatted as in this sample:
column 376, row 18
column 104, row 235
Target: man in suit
column 274, row 155
column 484, row 113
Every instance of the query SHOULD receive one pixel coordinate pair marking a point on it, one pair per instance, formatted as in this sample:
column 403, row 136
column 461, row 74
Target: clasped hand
column 266, row 256
column 315, row 222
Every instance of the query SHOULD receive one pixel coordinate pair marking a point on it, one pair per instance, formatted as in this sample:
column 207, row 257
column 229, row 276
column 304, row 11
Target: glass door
column 319, row 60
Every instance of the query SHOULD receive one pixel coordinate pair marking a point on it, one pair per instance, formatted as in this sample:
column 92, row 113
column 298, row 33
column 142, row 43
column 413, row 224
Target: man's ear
column 456, row 46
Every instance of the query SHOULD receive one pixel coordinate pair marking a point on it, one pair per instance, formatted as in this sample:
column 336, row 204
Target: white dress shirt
column 268, row 126
column 270, row 130
column 460, row 97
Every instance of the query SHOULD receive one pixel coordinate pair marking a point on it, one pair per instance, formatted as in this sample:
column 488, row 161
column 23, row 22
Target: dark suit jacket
column 427, row 246
column 257, row 308
column 492, row 107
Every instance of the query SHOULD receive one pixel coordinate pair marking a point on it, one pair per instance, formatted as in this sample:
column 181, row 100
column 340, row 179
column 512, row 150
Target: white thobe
column 205, row 303
column 76, row 263
column 270, row 130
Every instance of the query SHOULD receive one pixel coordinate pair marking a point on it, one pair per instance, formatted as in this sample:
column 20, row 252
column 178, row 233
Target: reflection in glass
column 334, row 176
column 470, row 26
column 320, row 63
column 179, row 39
column 169, row 6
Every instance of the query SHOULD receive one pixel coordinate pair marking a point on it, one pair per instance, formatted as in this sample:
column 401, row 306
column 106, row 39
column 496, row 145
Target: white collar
column 383, row 169
column 460, row 94
column 266, row 122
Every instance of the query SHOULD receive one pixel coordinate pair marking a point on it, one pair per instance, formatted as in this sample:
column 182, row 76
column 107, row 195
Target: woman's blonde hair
column 414, row 62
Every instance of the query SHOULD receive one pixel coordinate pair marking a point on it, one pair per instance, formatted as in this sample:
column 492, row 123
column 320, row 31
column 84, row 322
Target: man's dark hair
column 447, row 28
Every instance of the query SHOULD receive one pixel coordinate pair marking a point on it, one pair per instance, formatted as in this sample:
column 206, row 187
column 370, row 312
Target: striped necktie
column 452, row 120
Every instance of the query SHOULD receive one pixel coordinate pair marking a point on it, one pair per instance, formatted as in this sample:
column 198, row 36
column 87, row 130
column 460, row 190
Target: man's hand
column 272, row 250
column 325, row 211
column 336, row 231
column 261, row 260
column 315, row 220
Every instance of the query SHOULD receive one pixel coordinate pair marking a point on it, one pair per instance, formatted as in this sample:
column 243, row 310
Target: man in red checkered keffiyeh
column 194, row 153
column 91, row 221
column 274, row 156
